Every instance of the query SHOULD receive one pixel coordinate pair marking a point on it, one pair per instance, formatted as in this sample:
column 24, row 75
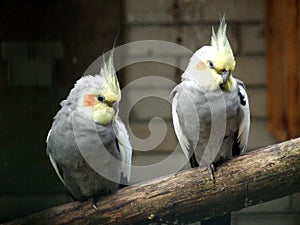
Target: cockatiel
column 86, row 128
column 210, row 108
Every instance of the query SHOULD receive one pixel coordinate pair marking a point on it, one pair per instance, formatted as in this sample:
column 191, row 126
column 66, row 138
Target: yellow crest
column 107, row 71
column 220, row 42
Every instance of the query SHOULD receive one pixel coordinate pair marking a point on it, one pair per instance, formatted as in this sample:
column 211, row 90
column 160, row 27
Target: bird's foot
column 94, row 203
column 211, row 170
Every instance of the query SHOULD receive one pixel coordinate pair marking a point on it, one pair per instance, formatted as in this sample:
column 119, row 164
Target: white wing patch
column 183, row 141
column 55, row 168
column 53, row 161
column 125, row 148
column 245, row 123
column 49, row 133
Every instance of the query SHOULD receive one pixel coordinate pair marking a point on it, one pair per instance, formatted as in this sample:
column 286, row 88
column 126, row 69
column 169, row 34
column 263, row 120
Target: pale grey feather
column 75, row 142
column 76, row 174
column 124, row 147
column 184, row 143
column 198, row 125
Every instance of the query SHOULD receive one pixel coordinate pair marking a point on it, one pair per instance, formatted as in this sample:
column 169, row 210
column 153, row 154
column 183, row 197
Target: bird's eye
column 210, row 64
column 100, row 98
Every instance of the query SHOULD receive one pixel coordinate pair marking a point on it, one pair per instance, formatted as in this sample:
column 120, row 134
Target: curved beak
column 225, row 75
column 115, row 106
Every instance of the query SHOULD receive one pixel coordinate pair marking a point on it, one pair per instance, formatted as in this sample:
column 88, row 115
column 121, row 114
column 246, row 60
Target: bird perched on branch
column 88, row 144
column 210, row 108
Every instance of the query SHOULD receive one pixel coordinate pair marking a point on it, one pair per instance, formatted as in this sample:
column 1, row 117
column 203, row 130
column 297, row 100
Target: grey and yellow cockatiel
column 86, row 128
column 210, row 108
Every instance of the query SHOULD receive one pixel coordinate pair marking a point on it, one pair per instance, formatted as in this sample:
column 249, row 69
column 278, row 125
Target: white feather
column 52, row 160
column 55, row 168
column 125, row 148
column 245, row 123
column 183, row 141
column 48, row 135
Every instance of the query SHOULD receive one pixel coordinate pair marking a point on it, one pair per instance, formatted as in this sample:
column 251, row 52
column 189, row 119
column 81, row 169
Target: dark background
column 51, row 43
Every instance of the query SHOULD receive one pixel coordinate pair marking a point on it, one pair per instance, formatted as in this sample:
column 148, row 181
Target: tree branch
column 258, row 176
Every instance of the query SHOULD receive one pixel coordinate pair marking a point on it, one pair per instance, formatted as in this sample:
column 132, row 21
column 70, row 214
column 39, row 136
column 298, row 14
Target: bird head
column 218, row 60
column 99, row 95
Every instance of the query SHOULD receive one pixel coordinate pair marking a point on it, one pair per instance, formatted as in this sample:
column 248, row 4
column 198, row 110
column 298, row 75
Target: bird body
column 204, row 102
column 210, row 107
column 88, row 119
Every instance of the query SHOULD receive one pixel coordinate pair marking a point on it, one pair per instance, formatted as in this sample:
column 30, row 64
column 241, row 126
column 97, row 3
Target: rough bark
column 191, row 195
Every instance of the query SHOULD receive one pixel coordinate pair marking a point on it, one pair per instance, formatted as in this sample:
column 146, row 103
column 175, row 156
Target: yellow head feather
column 224, row 60
column 219, row 41
column 111, row 88
column 107, row 111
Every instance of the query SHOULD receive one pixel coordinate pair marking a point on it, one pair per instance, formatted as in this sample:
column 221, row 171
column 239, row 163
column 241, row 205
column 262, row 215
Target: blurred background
column 47, row 45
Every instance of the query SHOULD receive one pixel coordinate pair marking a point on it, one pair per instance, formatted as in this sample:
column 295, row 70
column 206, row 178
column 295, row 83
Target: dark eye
column 100, row 98
column 210, row 64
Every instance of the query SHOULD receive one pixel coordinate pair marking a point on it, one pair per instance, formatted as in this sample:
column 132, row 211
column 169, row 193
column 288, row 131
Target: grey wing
column 125, row 148
column 185, row 116
column 244, row 127
column 183, row 141
column 54, row 164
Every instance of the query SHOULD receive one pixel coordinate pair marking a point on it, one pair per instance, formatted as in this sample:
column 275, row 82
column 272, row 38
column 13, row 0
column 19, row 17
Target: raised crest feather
column 108, row 72
column 219, row 40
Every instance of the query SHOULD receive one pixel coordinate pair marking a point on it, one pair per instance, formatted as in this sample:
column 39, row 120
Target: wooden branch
column 256, row 177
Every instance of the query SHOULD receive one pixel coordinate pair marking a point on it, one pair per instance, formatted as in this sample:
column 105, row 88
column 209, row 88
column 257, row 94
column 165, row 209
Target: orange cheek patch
column 89, row 100
column 201, row 66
